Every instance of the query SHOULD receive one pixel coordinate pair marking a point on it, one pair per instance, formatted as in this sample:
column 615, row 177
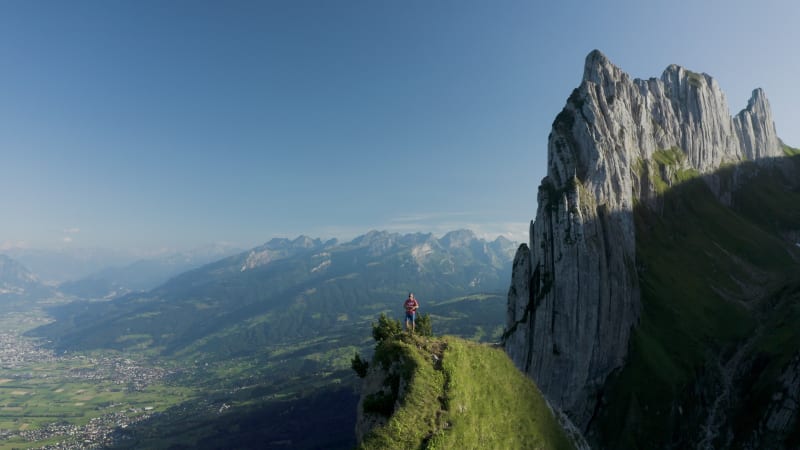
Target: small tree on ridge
column 423, row 326
column 386, row 328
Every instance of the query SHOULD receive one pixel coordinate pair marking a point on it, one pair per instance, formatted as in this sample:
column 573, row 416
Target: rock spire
column 575, row 296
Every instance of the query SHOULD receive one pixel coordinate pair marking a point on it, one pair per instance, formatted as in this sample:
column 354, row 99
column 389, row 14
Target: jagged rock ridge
column 575, row 295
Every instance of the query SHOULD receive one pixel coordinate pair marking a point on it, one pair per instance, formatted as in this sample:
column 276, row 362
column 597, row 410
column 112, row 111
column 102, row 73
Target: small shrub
column 386, row 328
column 359, row 365
column 423, row 326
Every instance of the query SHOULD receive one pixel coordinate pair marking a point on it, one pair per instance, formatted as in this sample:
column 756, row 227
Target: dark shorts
column 411, row 315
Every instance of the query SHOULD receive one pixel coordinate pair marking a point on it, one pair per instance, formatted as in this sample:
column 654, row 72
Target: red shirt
column 411, row 305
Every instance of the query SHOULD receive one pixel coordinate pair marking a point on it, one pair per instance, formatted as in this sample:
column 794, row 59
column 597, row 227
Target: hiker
column 411, row 305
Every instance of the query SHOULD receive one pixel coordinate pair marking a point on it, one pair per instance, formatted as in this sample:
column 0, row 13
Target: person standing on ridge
column 411, row 305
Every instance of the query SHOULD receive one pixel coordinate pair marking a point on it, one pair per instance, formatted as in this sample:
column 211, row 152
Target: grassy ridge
column 420, row 415
column 790, row 151
column 476, row 399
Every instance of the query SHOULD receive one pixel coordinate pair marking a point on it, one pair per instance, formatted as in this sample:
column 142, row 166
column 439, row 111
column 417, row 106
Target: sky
column 151, row 124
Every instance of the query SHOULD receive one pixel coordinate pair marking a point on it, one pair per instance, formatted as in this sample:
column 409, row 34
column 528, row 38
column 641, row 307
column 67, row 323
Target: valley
column 226, row 356
column 213, row 214
column 113, row 399
column 75, row 400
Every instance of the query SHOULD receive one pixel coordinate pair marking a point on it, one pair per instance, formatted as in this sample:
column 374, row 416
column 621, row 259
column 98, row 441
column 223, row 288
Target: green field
column 32, row 403
column 39, row 389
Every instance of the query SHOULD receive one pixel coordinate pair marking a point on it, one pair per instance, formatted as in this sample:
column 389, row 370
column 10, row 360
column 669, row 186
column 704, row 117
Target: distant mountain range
column 286, row 290
column 272, row 330
column 17, row 283
column 82, row 267
column 143, row 274
column 59, row 265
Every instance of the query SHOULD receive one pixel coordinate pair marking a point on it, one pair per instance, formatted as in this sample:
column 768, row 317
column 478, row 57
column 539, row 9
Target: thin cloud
column 69, row 233
column 9, row 245
column 428, row 217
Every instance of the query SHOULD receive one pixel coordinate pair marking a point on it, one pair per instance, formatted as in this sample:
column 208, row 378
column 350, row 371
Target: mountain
column 143, row 274
column 18, row 283
column 60, row 265
column 663, row 245
column 270, row 332
column 285, row 291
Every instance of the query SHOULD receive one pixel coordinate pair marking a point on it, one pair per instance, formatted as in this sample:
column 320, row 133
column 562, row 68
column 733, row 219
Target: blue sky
column 145, row 124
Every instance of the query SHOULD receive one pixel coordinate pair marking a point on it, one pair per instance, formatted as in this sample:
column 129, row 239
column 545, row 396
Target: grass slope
column 472, row 398
column 707, row 272
column 790, row 151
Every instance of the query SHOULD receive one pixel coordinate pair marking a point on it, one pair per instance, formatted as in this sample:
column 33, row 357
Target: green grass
column 693, row 255
column 790, row 151
column 673, row 163
column 771, row 206
column 669, row 157
column 419, row 417
column 74, row 388
column 695, row 79
column 15, row 444
column 477, row 399
column 29, row 403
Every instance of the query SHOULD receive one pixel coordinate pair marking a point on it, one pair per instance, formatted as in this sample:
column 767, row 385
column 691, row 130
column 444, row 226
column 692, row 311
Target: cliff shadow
column 718, row 263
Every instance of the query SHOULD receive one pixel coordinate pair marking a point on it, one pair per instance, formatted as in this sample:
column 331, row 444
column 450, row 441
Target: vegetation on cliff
column 451, row 393
column 719, row 290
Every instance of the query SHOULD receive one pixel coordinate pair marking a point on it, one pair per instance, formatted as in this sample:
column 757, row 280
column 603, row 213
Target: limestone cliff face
column 575, row 296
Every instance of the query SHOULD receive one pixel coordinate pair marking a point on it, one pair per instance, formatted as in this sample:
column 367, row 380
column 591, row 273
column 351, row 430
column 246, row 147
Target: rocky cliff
column 575, row 294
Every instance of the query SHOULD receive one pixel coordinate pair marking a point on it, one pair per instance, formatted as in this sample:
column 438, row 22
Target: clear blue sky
column 142, row 124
